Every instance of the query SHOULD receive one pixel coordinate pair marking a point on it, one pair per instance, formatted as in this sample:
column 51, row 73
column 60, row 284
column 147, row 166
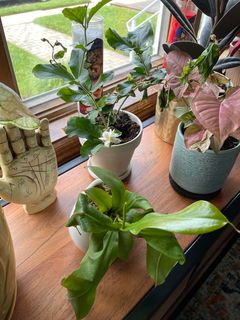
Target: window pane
column 24, row 32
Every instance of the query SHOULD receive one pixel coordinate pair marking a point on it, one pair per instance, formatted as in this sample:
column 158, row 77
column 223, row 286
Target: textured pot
column 199, row 175
column 78, row 236
column 8, row 287
column 117, row 158
column 166, row 122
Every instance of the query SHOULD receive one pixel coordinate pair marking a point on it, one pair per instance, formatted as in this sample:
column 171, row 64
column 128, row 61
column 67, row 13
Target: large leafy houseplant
column 100, row 127
column 113, row 217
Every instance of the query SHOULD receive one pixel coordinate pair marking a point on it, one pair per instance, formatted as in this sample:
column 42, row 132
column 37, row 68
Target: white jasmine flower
column 110, row 137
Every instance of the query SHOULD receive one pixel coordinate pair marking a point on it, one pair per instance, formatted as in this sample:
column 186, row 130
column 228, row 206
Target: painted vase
column 199, row 175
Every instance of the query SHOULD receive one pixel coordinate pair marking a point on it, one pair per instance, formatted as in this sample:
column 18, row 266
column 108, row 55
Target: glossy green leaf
column 82, row 127
column 96, row 8
column 89, row 218
column 49, row 71
column 69, row 95
column 158, row 265
column 142, row 36
column 198, row 218
column 164, row 242
column 59, row 55
column 105, row 77
column 117, row 187
column 77, row 14
column 100, row 197
column 90, row 147
column 125, row 244
column 118, row 42
column 135, row 201
column 125, row 88
column 76, row 62
column 207, row 60
column 81, row 284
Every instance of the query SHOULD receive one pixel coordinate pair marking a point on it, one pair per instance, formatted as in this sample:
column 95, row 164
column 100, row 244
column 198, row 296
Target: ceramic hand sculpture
column 29, row 167
column 7, row 271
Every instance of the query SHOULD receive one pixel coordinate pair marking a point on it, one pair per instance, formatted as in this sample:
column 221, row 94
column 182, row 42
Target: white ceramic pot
column 199, row 175
column 79, row 237
column 117, row 158
column 8, row 287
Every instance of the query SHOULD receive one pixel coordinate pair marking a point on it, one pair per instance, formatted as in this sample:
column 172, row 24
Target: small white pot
column 117, row 158
column 80, row 237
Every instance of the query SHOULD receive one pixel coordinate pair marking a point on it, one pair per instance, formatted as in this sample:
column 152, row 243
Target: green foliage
column 116, row 216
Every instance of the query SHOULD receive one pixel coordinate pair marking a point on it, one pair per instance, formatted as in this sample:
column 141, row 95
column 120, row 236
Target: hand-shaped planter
column 29, row 167
column 8, row 287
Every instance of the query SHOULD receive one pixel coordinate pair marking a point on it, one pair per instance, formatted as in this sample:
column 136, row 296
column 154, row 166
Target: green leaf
column 165, row 97
column 143, row 60
column 69, row 95
column 164, row 242
column 117, row 187
column 142, row 36
column 90, row 147
column 135, row 201
column 198, row 218
column 125, row 88
column 207, row 60
column 107, row 76
column 89, row 218
column 76, row 62
column 96, row 8
column 48, row 71
column 82, row 283
column 25, row 123
column 77, row 14
column 59, row 55
column 125, row 244
column 158, row 265
column 82, row 127
column 102, row 199
column 118, row 42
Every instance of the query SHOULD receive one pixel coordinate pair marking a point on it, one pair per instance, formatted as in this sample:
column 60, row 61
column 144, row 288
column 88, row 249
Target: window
column 21, row 48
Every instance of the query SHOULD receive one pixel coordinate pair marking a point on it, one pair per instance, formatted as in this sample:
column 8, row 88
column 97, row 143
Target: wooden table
column 45, row 252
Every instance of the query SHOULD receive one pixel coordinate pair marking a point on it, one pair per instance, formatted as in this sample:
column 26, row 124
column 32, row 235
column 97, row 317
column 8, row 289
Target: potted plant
column 8, row 283
column 211, row 123
column 217, row 15
column 107, row 133
column 113, row 217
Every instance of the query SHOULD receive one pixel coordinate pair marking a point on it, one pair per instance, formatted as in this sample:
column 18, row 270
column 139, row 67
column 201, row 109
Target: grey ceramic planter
column 199, row 175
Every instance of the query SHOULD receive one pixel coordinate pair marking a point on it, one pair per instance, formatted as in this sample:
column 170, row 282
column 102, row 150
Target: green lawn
column 50, row 4
column 114, row 17
column 23, row 63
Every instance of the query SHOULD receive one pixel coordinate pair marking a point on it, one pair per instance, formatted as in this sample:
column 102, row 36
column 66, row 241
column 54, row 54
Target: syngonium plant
column 98, row 127
column 212, row 106
column 113, row 217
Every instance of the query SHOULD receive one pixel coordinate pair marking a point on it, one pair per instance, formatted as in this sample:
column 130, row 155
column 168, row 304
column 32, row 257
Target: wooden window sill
column 45, row 252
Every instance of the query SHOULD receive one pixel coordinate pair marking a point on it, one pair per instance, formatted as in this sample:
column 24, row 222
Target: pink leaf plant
column 215, row 108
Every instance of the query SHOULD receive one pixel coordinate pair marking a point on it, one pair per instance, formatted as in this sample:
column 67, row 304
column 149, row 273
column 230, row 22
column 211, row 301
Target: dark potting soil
column 230, row 143
column 129, row 128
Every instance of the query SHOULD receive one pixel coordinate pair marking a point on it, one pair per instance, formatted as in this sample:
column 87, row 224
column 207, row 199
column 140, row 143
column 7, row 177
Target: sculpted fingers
column 31, row 139
column 44, row 133
column 15, row 137
column 5, row 152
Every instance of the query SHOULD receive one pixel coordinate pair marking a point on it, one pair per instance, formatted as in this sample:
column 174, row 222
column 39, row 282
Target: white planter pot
column 8, row 286
column 80, row 237
column 117, row 158
column 199, row 175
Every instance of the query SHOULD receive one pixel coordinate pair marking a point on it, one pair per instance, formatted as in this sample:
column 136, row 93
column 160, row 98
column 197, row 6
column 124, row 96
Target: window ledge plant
column 113, row 217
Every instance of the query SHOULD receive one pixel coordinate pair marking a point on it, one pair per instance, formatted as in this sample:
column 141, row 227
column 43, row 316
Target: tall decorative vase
column 166, row 122
column 199, row 175
column 93, row 41
column 8, row 288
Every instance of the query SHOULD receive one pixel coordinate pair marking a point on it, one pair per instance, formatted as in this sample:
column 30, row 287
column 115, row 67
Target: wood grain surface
column 45, row 252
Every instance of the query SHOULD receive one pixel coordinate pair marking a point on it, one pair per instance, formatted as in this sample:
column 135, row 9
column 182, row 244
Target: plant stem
column 124, row 100
column 124, row 215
